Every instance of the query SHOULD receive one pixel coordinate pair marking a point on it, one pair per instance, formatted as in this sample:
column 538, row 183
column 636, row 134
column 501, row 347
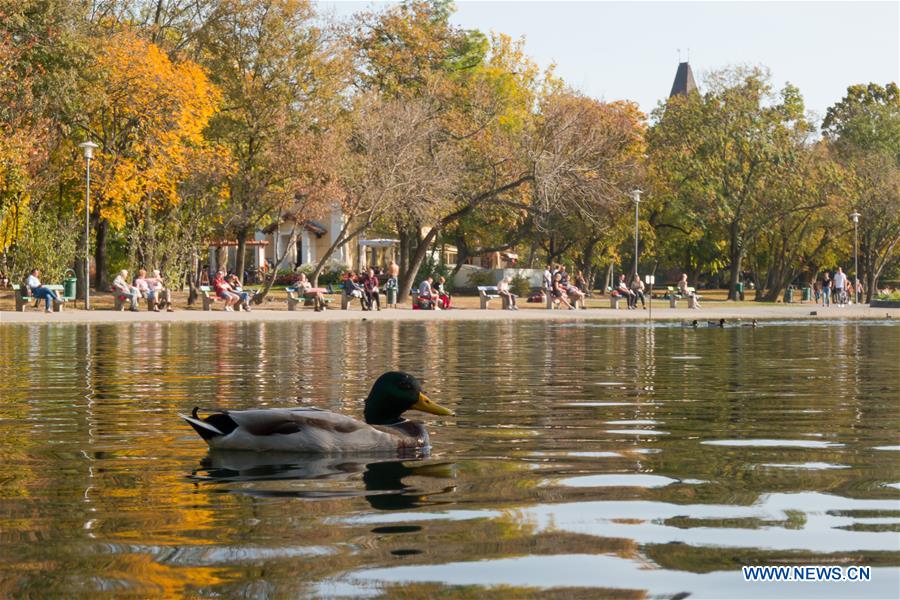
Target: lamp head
column 855, row 216
column 636, row 194
column 88, row 148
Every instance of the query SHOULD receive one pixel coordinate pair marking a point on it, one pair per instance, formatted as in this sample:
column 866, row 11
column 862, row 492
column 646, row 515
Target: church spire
column 684, row 80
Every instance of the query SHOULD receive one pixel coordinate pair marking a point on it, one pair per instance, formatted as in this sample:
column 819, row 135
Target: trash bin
column 69, row 284
column 807, row 294
column 391, row 294
column 789, row 295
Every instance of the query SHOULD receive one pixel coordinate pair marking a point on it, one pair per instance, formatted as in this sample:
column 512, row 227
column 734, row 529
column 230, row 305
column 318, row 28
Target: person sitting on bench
column 626, row 293
column 224, row 291
column 370, row 287
column 161, row 295
column 442, row 293
column 688, row 293
column 637, row 287
column 238, row 289
column 508, row 296
column 426, row 298
column 558, row 292
column 33, row 284
column 353, row 289
column 121, row 288
column 143, row 286
column 305, row 286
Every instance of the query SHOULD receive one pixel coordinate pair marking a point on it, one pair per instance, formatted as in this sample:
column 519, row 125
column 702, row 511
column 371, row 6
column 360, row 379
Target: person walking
column 826, row 289
column 840, row 287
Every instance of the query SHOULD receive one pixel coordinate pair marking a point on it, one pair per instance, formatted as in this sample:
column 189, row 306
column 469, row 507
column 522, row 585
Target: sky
column 630, row 50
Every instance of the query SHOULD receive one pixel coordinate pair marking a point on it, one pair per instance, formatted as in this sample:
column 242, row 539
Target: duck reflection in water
column 270, row 474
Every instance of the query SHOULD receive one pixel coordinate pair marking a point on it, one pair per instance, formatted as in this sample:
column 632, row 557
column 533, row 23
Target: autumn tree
column 148, row 115
column 719, row 152
column 282, row 78
column 484, row 90
column 864, row 130
column 36, row 201
column 808, row 199
column 588, row 157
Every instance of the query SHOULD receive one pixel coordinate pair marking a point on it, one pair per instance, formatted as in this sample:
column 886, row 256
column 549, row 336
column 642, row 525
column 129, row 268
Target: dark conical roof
column 684, row 80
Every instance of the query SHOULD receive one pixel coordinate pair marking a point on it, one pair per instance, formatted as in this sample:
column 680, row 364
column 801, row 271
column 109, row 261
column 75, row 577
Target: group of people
column 634, row 292
column 432, row 294
column 631, row 293
column 562, row 288
column 153, row 289
column 228, row 288
column 366, row 286
column 836, row 289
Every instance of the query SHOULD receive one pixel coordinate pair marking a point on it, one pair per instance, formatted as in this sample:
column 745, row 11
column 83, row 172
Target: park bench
column 347, row 298
column 674, row 297
column 120, row 302
column 207, row 297
column 486, row 293
column 22, row 300
column 553, row 301
column 614, row 299
column 294, row 297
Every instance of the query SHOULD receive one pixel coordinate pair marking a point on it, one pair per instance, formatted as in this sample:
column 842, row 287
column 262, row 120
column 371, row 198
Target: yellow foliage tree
column 148, row 114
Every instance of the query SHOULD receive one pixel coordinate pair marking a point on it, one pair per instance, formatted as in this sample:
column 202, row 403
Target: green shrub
column 481, row 277
column 892, row 297
column 520, row 286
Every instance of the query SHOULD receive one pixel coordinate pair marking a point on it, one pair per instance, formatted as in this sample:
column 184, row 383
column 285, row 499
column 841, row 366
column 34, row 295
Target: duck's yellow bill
column 426, row 404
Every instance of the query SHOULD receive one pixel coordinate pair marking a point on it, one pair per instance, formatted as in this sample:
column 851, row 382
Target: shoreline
column 711, row 312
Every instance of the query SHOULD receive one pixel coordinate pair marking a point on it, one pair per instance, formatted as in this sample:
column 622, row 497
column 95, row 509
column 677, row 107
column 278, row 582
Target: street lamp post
column 855, row 216
column 88, row 149
column 636, row 196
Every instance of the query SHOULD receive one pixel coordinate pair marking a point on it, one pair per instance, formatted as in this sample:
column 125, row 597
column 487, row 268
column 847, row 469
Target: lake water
column 585, row 460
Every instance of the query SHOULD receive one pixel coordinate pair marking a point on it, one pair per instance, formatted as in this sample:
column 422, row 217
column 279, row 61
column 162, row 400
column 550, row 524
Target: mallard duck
column 318, row 431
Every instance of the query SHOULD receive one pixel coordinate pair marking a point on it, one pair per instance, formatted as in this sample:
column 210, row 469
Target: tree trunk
column 101, row 277
column 737, row 255
column 78, row 267
column 406, row 278
column 269, row 280
column 462, row 255
column 194, row 278
column 241, row 258
column 586, row 266
column 403, row 236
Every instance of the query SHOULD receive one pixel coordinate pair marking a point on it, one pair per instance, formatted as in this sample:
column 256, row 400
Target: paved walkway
column 710, row 311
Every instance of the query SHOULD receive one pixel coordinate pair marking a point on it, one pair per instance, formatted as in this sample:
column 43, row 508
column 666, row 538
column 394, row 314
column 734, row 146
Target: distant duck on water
column 317, row 431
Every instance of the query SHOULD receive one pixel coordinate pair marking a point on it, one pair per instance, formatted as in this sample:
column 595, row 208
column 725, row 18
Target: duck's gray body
column 309, row 430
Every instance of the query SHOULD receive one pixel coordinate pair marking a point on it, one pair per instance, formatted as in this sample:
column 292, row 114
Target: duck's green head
column 393, row 394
